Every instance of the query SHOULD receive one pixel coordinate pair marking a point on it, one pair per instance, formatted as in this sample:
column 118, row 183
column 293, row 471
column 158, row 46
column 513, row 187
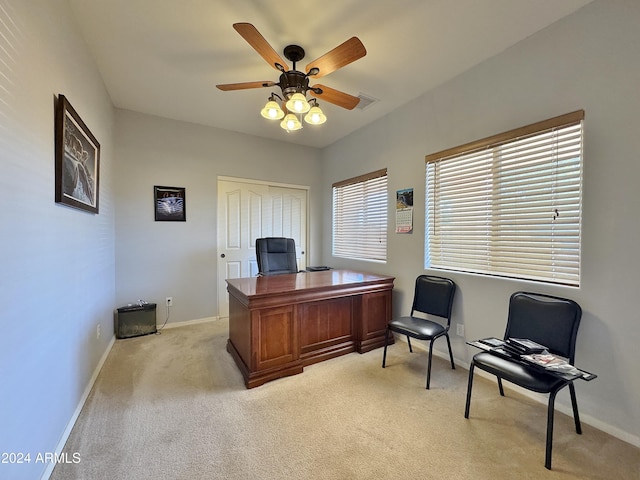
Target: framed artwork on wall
column 169, row 204
column 77, row 168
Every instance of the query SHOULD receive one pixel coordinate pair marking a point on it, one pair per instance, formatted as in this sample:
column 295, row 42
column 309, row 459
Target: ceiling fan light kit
column 294, row 84
column 298, row 103
column 315, row 116
column 290, row 123
column 272, row 110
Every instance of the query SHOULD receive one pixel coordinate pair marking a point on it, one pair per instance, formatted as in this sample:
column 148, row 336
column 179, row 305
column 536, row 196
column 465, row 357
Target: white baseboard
column 72, row 421
column 540, row 398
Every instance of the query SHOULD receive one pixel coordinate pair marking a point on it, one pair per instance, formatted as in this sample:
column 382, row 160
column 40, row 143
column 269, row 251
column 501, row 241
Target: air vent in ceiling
column 365, row 101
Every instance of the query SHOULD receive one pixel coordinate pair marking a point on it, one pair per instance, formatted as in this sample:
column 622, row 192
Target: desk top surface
column 292, row 282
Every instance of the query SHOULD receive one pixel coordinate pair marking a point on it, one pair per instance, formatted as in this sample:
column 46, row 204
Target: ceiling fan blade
column 336, row 97
column 342, row 55
column 260, row 45
column 243, row 86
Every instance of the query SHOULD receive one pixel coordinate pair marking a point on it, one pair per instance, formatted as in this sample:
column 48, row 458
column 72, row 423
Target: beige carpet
column 173, row 406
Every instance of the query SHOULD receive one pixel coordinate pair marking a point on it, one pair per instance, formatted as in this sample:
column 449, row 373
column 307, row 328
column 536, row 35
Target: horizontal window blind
column 510, row 208
column 360, row 217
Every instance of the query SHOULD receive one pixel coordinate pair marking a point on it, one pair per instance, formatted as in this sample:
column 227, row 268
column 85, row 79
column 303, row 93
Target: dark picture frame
column 77, row 152
column 170, row 204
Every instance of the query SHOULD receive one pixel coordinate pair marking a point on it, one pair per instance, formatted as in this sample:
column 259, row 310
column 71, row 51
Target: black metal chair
column 433, row 296
column 549, row 321
column 276, row 255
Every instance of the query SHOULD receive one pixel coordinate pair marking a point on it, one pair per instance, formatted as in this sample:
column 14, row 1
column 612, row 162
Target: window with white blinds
column 360, row 217
column 509, row 205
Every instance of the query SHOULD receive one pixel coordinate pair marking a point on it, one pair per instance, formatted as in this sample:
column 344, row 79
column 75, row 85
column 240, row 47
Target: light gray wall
column 57, row 263
column 589, row 60
column 178, row 259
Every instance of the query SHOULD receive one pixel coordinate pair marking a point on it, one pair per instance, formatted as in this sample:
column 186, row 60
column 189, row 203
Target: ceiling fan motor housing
column 293, row 82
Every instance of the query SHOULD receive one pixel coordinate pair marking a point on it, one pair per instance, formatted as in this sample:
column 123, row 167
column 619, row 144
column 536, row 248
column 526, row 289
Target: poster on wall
column 169, row 203
column 404, row 211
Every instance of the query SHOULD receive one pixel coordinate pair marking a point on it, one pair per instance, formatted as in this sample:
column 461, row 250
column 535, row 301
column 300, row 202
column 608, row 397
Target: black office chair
column 276, row 255
column 433, row 296
column 549, row 321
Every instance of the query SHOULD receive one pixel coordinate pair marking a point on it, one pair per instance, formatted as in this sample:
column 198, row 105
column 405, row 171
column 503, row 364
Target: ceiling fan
column 294, row 84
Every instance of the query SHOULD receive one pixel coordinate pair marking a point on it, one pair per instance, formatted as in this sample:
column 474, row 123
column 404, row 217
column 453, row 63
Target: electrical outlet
column 169, row 301
column 98, row 331
column 460, row 329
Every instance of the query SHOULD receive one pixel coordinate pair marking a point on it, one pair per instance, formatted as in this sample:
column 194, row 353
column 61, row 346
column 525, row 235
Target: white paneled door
column 247, row 211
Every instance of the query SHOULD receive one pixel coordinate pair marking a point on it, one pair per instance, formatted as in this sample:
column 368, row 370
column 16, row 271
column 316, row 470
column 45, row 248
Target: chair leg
column 550, row 412
column 409, row 342
column 469, row 386
column 429, row 364
column 386, row 342
column 574, row 404
column 500, row 386
column 453, row 365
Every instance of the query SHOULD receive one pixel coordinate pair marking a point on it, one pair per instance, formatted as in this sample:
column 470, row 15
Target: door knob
column 222, row 255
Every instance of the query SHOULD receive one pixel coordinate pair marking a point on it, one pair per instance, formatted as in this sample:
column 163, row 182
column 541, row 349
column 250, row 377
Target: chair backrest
column 276, row 255
column 547, row 320
column 434, row 296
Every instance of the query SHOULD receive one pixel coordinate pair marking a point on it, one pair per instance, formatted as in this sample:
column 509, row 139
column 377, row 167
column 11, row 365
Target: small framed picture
column 77, row 170
column 169, row 204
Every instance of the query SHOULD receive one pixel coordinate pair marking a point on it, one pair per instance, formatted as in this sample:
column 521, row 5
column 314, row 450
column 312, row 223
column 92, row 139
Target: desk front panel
column 327, row 329
column 275, row 341
column 376, row 312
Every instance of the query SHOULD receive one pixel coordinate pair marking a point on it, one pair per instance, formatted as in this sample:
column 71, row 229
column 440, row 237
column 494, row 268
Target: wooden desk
column 279, row 324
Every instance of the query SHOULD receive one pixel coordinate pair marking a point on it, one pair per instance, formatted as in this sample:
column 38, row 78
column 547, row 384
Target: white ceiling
column 165, row 57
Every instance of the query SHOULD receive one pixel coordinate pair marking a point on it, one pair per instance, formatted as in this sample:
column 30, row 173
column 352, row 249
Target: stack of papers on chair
column 492, row 342
column 545, row 359
column 552, row 362
column 523, row 346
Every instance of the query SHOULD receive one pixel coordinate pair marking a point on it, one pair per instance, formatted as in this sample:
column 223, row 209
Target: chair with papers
column 548, row 321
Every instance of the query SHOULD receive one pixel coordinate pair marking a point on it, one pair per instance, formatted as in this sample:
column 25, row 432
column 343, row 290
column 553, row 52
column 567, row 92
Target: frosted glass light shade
column 272, row 111
column 291, row 123
column 315, row 116
column 298, row 103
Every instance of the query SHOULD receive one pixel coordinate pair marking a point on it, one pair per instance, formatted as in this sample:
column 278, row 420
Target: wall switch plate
column 460, row 329
column 98, row 331
column 169, row 301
